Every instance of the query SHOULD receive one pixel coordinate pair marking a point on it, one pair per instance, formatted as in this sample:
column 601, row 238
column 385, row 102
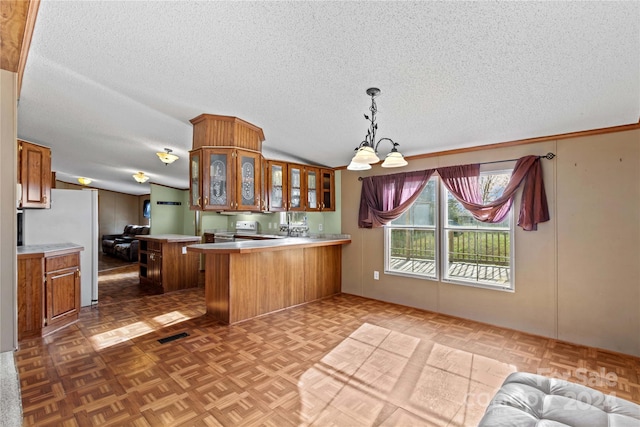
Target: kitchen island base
column 241, row 286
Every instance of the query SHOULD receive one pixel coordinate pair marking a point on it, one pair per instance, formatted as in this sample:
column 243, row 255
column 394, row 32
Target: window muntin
column 475, row 252
column 453, row 247
column 412, row 239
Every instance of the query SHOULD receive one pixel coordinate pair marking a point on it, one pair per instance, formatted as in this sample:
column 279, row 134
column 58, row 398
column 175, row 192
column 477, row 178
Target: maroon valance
column 386, row 197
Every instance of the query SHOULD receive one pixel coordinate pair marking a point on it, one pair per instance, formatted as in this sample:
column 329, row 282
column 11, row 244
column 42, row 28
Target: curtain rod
column 548, row 156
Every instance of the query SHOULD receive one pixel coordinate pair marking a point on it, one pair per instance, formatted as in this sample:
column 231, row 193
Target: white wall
column 577, row 277
column 8, row 174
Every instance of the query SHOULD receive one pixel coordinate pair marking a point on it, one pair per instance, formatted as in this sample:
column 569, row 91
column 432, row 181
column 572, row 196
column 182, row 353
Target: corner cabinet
column 34, row 175
column 225, row 179
column 48, row 288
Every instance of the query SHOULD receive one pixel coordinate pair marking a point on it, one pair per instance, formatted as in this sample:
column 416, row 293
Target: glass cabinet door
column 312, row 189
column 328, row 190
column 277, row 187
column 216, row 179
column 296, row 189
column 195, row 189
column 248, row 179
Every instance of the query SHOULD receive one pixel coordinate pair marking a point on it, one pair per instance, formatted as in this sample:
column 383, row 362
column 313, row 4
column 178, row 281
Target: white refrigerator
column 73, row 218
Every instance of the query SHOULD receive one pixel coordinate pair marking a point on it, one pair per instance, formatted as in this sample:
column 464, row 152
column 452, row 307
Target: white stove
column 246, row 227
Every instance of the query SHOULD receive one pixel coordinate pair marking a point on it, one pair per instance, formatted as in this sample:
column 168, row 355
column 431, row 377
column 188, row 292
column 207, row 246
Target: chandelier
column 166, row 157
column 367, row 151
column 140, row 177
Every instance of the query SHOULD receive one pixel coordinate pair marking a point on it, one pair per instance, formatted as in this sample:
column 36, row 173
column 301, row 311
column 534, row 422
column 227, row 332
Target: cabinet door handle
column 206, row 201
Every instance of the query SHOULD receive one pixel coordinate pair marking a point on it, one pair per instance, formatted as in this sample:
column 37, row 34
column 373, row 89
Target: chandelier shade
column 140, row 177
column 367, row 151
column 353, row 166
column 394, row 160
column 166, row 157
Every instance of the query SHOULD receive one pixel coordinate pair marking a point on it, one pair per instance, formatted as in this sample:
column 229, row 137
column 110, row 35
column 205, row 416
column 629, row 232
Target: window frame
column 440, row 231
column 387, row 239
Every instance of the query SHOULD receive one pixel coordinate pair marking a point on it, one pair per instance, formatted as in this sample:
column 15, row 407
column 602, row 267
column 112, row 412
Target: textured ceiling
column 109, row 83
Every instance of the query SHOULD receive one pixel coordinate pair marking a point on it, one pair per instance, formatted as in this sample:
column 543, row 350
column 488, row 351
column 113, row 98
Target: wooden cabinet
column 327, row 190
column 242, row 283
column 150, row 263
column 223, row 179
column 195, row 180
column 277, row 186
column 295, row 187
column 164, row 263
column 48, row 288
column 34, row 174
column 312, row 175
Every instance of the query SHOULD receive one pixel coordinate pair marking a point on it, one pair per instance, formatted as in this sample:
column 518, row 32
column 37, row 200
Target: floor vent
column 173, row 337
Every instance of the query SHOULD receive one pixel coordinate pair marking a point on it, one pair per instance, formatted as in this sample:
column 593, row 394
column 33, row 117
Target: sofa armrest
column 111, row 236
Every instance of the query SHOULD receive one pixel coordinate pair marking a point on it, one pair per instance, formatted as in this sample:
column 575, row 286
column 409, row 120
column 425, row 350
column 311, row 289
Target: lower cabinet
column 164, row 262
column 48, row 291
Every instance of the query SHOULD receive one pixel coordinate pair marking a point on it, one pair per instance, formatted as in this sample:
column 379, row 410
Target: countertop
column 46, row 250
column 170, row 238
column 249, row 246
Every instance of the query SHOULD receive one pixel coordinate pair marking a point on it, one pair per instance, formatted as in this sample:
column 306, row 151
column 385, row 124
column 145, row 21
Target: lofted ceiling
column 109, row 83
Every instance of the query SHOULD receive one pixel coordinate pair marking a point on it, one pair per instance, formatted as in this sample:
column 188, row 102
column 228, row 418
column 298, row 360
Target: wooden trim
column 17, row 21
column 30, row 24
column 591, row 132
column 234, row 119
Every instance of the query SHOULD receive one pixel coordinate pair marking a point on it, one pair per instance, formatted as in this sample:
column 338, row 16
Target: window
column 412, row 239
column 452, row 246
column 476, row 252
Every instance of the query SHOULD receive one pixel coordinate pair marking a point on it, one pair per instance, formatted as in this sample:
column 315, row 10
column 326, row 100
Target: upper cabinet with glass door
column 313, row 180
column 248, row 174
column 226, row 164
column 297, row 188
column 230, row 180
column 327, row 190
column 277, row 186
column 195, row 183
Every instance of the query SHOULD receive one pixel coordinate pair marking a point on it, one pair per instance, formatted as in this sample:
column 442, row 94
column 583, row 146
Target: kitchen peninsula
column 248, row 278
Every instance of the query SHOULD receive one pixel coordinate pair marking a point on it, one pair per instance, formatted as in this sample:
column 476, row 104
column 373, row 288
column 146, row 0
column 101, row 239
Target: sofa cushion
column 533, row 400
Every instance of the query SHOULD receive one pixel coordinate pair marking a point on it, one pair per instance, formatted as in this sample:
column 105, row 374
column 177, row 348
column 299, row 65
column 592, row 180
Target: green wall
column 174, row 219
column 171, row 219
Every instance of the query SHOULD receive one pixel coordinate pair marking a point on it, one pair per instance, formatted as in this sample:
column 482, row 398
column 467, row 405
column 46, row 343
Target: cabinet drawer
column 62, row 261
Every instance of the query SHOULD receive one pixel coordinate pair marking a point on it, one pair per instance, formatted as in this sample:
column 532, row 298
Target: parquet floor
column 341, row 361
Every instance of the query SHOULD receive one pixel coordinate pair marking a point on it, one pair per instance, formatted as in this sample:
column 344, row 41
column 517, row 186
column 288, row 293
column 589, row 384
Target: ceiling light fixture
column 140, row 177
column 84, row 181
column 367, row 151
column 166, row 157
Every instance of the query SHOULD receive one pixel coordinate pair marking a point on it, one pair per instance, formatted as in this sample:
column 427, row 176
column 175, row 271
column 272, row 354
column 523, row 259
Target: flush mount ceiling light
column 367, row 151
column 140, row 177
column 84, row 181
column 166, row 157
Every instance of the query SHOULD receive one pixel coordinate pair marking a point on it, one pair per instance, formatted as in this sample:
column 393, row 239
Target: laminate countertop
column 251, row 246
column 47, row 250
